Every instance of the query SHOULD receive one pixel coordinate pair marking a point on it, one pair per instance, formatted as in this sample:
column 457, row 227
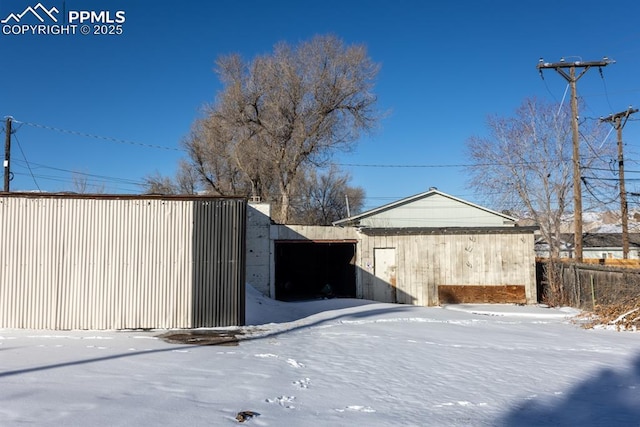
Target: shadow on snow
column 315, row 308
column 610, row 398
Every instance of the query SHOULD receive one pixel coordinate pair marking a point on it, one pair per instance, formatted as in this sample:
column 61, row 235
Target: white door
column 384, row 267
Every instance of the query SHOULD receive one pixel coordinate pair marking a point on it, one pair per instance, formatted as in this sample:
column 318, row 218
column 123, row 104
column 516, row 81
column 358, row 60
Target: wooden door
column 384, row 288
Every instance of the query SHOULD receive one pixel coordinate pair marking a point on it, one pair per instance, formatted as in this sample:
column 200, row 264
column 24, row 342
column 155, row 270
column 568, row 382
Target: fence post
column 576, row 284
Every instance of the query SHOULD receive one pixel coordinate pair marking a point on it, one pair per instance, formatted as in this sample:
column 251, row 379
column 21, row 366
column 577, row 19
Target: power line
column 461, row 165
column 365, row 165
column 106, row 177
column 399, row 166
column 606, row 92
column 70, row 180
column 600, row 198
column 608, row 169
column 101, row 179
column 610, row 179
column 26, row 161
column 99, row 137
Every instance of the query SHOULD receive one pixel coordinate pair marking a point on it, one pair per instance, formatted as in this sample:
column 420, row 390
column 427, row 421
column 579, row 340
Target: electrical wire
column 547, row 87
column 598, row 198
column 397, row 166
column 105, row 177
column 67, row 180
column 104, row 138
column 140, row 184
column 562, row 102
column 606, row 92
column 98, row 181
column 364, row 165
column 605, row 138
column 15, row 137
column 609, row 179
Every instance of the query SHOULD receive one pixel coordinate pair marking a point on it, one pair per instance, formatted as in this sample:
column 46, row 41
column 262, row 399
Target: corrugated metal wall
column 219, row 263
column 114, row 263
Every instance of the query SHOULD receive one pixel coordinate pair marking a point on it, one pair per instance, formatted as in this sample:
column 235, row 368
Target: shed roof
column 413, row 231
column 358, row 220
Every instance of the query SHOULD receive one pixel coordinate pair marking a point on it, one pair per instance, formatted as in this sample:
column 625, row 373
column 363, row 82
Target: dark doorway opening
column 309, row 270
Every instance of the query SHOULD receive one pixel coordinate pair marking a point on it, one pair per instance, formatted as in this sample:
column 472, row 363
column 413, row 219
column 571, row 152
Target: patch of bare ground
column 203, row 337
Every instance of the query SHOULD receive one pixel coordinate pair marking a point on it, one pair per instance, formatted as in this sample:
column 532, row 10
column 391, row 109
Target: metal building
column 71, row 261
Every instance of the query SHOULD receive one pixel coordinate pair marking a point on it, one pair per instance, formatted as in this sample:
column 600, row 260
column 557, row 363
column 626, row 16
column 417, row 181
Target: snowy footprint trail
column 482, row 360
column 331, row 363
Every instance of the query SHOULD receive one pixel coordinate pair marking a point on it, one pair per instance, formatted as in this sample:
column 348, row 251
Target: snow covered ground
column 332, row 363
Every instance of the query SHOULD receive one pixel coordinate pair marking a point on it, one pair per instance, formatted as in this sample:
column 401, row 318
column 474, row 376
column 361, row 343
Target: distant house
column 594, row 246
column 427, row 249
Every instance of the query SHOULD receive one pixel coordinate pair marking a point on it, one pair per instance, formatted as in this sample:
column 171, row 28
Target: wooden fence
column 585, row 285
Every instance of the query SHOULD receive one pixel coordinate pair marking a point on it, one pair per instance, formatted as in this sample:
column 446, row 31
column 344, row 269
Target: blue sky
column 115, row 107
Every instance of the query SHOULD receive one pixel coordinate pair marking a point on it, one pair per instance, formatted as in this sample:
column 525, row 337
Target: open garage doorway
column 314, row 269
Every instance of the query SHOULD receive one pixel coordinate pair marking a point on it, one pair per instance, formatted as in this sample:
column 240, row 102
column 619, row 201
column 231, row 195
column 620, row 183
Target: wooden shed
column 427, row 249
column 121, row 262
column 433, row 248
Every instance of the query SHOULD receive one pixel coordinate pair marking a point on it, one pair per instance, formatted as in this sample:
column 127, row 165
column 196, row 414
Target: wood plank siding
column 427, row 261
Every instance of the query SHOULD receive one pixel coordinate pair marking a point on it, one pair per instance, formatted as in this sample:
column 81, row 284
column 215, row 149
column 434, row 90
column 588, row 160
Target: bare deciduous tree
column 525, row 163
column 185, row 182
column 159, row 184
column 223, row 161
column 322, row 198
column 280, row 114
column 80, row 183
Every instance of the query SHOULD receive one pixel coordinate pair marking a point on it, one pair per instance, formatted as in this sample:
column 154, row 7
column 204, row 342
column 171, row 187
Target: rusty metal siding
column 219, row 263
column 110, row 263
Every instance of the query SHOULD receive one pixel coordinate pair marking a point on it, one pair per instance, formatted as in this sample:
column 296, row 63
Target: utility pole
column 346, row 199
column 7, row 154
column 572, row 78
column 618, row 124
